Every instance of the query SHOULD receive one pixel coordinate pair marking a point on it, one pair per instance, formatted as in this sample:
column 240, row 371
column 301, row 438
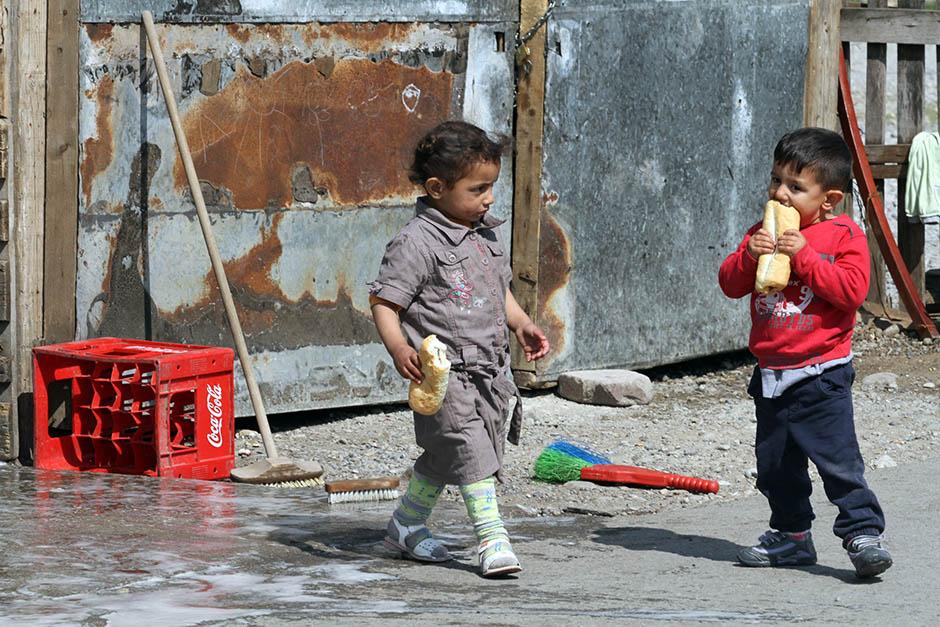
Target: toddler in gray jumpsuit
column 447, row 273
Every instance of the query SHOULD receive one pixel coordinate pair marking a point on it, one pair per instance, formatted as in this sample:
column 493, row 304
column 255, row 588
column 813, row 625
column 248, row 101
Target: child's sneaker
column 497, row 558
column 777, row 548
column 868, row 556
column 415, row 542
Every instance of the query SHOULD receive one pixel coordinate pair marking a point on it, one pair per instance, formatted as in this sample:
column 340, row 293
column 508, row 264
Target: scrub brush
column 362, row 490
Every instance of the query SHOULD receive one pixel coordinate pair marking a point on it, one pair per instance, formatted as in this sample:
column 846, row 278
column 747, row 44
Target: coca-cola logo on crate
column 214, row 403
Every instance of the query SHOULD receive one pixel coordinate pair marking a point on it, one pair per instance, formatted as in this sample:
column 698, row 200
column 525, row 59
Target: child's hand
column 791, row 242
column 533, row 341
column 761, row 243
column 407, row 363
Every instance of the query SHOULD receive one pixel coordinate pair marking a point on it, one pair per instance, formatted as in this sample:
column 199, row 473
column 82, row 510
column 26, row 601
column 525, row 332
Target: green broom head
column 556, row 466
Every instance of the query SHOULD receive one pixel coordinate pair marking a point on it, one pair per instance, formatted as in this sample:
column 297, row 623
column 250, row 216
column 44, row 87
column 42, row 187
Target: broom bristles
column 577, row 449
column 555, row 466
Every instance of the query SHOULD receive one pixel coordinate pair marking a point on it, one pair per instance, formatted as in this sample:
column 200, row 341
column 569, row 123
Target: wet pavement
column 95, row 549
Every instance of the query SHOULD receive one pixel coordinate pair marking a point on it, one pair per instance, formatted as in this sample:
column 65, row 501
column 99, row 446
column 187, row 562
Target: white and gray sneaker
column 868, row 555
column 415, row 542
column 777, row 548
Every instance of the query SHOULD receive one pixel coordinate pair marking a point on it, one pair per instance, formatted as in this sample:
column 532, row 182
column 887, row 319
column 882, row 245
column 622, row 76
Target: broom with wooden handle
column 274, row 470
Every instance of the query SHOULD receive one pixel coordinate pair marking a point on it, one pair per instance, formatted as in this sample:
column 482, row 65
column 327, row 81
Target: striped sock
column 480, row 499
column 416, row 504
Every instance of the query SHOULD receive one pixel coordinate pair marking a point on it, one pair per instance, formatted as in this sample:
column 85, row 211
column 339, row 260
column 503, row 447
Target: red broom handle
column 615, row 474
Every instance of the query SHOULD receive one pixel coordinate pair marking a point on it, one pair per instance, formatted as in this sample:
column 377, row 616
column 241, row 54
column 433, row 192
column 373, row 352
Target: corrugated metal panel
column 300, row 134
column 661, row 118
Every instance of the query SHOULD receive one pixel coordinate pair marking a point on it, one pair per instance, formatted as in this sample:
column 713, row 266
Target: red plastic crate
column 134, row 407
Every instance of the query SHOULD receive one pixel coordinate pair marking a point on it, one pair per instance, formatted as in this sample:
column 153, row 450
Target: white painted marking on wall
column 410, row 97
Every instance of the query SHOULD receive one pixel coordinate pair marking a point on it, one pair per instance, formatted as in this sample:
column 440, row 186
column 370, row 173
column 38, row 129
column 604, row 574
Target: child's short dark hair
column 823, row 151
column 450, row 149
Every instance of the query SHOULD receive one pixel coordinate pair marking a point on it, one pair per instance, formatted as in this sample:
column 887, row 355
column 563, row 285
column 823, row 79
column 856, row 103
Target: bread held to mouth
column 773, row 269
column 426, row 398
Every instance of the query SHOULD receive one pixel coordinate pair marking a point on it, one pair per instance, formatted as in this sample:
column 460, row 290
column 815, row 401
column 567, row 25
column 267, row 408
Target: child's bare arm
column 385, row 315
column 530, row 336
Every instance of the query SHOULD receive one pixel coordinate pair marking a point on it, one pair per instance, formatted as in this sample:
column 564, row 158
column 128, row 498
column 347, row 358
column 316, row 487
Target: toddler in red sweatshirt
column 802, row 338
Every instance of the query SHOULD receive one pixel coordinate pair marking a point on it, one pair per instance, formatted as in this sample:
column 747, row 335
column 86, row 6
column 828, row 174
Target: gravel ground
column 700, row 422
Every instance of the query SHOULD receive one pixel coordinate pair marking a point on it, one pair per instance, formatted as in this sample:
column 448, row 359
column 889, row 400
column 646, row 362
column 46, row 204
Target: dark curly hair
column 450, row 149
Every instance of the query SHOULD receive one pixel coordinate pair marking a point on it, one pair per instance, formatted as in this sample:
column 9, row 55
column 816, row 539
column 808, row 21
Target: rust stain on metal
column 268, row 323
column 554, row 271
column 239, row 32
column 370, row 37
column 269, row 319
column 354, row 130
column 97, row 150
column 252, row 272
column 244, row 32
column 99, row 32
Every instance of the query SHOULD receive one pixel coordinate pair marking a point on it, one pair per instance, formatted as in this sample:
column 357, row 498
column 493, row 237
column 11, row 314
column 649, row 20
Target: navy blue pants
column 813, row 420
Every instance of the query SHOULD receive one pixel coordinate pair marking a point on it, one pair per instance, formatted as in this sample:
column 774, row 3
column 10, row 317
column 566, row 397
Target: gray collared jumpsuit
column 451, row 281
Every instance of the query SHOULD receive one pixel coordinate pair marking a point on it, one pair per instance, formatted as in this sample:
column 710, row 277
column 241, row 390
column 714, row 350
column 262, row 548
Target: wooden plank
column 527, row 197
column 847, row 204
column 8, row 430
column 61, row 205
column 876, row 72
column 888, row 171
column 28, row 97
column 910, row 122
column 886, row 153
column 820, row 83
column 4, row 58
column 897, row 26
column 4, row 220
column 4, row 290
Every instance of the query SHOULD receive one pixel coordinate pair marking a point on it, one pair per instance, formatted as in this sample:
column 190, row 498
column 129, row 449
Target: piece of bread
column 426, row 398
column 773, row 270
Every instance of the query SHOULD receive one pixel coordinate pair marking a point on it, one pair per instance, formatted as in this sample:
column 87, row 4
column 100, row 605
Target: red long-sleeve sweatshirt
column 812, row 319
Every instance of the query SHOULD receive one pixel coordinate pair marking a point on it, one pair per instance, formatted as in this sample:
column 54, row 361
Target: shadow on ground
column 702, row 547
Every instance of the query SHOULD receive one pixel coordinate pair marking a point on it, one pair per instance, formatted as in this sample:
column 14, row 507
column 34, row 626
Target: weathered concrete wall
column 661, row 118
column 301, row 134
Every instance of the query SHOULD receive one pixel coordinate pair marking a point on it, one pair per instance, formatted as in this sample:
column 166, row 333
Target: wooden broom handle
column 233, row 323
column 360, row 485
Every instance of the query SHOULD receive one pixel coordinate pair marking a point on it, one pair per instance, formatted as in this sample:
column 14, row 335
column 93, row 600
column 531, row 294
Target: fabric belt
column 495, row 368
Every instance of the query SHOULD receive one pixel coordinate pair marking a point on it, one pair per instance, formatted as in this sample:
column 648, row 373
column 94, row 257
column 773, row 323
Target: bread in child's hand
column 427, row 397
column 773, row 269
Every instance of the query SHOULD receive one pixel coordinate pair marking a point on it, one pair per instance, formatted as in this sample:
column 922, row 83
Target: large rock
column 880, row 381
column 619, row 388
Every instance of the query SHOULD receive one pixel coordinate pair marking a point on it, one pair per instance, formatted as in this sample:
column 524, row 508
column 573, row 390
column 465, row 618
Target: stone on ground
column 618, row 388
column 880, row 380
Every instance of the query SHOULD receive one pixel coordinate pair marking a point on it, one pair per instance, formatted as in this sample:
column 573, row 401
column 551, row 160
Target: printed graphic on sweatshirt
column 781, row 313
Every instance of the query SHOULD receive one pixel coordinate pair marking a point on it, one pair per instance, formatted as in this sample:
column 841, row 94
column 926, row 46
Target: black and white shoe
column 778, row 548
column 868, row 555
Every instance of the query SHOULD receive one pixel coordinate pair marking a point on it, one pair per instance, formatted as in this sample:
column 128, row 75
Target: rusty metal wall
column 301, row 117
column 660, row 123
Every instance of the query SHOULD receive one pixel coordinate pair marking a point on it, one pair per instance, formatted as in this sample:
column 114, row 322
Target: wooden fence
column 912, row 27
